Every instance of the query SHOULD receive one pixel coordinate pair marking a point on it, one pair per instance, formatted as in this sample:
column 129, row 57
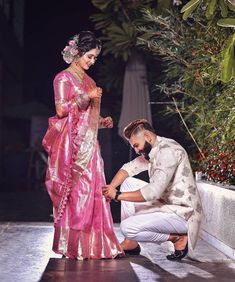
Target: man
column 168, row 208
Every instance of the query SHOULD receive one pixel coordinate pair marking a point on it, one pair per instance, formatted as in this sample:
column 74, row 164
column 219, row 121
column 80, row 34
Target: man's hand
column 109, row 192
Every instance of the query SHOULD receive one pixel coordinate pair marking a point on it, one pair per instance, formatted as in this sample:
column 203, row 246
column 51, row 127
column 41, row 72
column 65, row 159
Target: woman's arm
column 62, row 89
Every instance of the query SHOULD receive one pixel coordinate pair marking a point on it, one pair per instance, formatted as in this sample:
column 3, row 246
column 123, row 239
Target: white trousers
column 147, row 227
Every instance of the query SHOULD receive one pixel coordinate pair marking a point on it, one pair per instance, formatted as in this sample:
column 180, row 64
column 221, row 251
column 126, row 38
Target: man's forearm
column 110, row 192
column 119, row 178
column 134, row 196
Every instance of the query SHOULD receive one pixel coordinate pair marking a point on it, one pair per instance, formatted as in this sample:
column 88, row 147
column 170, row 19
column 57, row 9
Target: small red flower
column 223, row 165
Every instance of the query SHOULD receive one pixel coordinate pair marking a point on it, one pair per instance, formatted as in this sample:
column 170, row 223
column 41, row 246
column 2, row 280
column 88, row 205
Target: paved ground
column 26, row 256
column 26, row 234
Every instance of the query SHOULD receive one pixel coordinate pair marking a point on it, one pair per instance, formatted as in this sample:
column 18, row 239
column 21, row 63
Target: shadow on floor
column 197, row 271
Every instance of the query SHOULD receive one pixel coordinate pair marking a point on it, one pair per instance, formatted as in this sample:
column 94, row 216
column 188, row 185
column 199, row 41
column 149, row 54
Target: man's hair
column 136, row 126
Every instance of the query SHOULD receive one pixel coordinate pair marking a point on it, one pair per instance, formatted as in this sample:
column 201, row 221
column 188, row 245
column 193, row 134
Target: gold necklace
column 74, row 71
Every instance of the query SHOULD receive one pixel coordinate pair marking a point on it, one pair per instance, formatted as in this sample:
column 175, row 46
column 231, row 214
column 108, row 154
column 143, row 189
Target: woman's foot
column 181, row 247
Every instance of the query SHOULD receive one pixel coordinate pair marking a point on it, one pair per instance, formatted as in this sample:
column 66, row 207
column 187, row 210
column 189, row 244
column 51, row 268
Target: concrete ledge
column 218, row 224
column 222, row 247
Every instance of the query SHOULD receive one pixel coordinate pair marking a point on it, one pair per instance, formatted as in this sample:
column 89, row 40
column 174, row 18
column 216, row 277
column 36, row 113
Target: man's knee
column 124, row 228
column 127, row 229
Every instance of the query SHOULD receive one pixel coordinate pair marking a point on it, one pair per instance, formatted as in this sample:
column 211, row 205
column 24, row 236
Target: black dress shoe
column 133, row 252
column 178, row 254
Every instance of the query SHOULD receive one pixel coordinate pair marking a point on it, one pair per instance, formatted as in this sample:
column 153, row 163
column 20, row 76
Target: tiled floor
column 26, row 256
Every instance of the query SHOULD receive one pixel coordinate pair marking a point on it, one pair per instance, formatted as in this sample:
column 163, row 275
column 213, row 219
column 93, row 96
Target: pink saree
column 82, row 218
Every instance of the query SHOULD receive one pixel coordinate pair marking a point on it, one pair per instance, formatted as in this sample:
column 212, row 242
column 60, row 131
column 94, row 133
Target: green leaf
column 100, row 4
column 189, row 8
column 231, row 7
column 211, row 9
column 223, row 8
column 228, row 63
column 189, row 5
column 101, row 20
column 228, row 22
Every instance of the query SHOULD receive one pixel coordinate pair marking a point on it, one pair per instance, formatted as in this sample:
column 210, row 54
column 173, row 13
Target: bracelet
column 117, row 194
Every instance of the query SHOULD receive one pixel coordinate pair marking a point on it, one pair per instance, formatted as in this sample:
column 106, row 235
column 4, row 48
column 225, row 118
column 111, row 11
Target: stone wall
column 218, row 224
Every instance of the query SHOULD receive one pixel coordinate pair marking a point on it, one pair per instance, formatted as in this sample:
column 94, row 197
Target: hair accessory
column 71, row 49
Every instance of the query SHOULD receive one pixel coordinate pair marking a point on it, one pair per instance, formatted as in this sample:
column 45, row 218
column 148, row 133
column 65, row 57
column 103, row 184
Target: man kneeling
column 168, row 208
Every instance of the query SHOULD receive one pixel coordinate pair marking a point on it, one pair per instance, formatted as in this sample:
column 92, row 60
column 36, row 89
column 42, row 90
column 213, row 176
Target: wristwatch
column 117, row 194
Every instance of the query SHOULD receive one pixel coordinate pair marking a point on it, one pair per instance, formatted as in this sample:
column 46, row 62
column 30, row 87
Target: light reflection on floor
column 26, row 249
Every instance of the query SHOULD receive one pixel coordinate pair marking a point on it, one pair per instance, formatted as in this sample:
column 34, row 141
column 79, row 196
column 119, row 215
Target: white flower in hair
column 71, row 49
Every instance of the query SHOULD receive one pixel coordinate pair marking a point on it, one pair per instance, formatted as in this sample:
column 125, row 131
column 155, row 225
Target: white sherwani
column 172, row 187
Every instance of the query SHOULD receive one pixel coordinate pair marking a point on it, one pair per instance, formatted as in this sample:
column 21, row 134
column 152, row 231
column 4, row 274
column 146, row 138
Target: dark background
column 48, row 25
column 27, row 73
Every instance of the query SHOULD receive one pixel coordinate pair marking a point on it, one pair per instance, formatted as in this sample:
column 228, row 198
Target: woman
column 75, row 175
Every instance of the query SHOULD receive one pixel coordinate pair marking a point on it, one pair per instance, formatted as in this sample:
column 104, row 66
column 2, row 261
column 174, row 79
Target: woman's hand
column 95, row 93
column 109, row 192
column 107, row 122
column 62, row 110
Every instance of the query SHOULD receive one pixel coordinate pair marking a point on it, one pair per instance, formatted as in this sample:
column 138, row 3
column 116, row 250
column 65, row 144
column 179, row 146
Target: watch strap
column 117, row 194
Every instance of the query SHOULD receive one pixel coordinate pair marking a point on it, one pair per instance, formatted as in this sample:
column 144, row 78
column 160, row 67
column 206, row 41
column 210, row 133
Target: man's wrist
column 118, row 193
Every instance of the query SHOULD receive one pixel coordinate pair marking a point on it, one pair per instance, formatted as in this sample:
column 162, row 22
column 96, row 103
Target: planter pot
column 218, row 224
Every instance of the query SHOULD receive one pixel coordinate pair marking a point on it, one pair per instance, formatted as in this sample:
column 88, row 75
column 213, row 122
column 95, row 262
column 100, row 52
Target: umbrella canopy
column 135, row 102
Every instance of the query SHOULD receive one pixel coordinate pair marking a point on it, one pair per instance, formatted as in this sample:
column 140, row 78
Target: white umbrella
column 135, row 101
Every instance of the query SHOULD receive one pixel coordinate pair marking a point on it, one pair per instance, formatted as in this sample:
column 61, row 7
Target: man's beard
column 146, row 150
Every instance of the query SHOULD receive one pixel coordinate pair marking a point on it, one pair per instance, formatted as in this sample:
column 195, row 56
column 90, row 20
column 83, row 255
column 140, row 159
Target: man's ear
column 147, row 136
